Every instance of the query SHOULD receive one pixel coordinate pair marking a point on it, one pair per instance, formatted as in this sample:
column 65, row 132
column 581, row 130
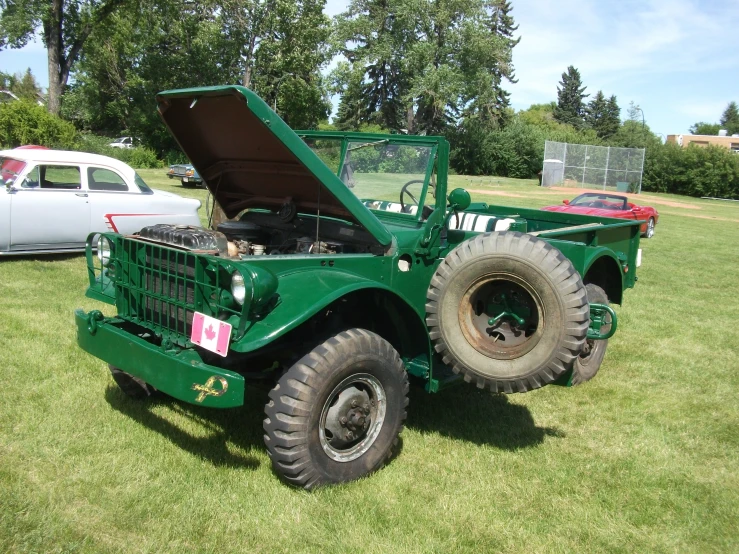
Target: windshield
column 602, row 201
column 143, row 187
column 10, row 168
column 383, row 174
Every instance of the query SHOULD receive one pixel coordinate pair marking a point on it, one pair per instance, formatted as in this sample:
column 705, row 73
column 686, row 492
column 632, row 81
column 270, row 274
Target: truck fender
column 604, row 269
column 304, row 293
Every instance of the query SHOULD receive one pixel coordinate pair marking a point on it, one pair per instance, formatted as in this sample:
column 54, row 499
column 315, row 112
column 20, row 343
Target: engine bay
column 259, row 233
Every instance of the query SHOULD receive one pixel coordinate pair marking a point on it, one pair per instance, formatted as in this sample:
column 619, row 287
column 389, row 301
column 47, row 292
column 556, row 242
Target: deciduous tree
column 65, row 26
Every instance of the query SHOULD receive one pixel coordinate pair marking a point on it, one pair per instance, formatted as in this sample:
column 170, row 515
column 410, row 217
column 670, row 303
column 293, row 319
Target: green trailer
column 337, row 266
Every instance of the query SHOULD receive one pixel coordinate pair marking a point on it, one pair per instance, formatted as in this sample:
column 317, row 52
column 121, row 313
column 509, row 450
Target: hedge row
column 28, row 123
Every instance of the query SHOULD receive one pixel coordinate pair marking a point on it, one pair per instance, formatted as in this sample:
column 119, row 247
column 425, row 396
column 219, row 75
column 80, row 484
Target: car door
column 49, row 209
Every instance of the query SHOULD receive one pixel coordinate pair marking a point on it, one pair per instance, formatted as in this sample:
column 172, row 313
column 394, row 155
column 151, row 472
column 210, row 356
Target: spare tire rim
column 501, row 316
column 352, row 417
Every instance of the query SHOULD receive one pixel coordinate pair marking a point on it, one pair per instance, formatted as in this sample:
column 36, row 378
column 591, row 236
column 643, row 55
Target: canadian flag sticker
column 210, row 333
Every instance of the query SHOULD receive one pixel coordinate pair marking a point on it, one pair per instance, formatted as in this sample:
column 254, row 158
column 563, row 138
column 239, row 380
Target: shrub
column 28, row 123
column 139, row 157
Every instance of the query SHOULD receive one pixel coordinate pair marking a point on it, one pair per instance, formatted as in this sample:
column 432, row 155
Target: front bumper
column 178, row 373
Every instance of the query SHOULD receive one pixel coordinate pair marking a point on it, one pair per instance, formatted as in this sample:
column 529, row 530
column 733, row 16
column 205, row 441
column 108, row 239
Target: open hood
column 250, row 158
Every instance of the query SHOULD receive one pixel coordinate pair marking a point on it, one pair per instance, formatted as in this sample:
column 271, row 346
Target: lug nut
column 349, row 435
column 343, row 420
column 354, row 403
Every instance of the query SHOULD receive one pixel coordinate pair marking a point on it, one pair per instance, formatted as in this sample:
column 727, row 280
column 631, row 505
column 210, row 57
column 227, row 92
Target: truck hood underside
column 249, row 158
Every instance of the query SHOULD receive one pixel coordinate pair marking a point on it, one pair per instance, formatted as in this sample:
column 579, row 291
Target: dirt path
column 498, row 193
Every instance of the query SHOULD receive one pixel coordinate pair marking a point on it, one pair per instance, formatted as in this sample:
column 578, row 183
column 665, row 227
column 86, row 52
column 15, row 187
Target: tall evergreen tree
column 730, row 119
column 427, row 64
column 570, row 98
column 603, row 116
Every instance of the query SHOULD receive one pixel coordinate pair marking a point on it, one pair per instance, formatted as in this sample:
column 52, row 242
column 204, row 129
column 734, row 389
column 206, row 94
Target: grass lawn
column 642, row 459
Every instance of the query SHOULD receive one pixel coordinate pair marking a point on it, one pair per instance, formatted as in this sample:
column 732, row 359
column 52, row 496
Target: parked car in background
column 122, row 142
column 186, row 174
column 610, row 205
column 52, row 200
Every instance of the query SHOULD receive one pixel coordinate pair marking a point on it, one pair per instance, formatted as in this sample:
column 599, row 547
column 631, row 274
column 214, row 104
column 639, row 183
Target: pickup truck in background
column 342, row 268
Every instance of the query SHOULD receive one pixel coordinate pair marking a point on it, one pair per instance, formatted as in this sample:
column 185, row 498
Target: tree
column 603, row 116
column 65, row 27
column 570, row 98
column 730, row 119
column 22, row 85
column 425, row 64
column 703, row 128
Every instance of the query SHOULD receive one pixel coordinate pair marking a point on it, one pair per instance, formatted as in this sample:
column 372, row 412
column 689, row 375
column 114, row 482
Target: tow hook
column 93, row 320
column 598, row 319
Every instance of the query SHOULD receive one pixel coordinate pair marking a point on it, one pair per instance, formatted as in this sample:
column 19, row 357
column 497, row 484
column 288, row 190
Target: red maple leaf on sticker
column 210, row 334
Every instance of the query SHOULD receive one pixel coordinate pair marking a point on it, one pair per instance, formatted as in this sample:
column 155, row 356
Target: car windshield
column 384, row 175
column 602, row 201
column 143, row 187
column 10, row 168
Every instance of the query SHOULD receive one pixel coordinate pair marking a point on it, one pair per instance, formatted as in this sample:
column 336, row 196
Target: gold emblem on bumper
column 208, row 389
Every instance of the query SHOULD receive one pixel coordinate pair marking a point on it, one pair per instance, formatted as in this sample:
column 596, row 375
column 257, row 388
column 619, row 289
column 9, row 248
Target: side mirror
column 459, row 200
column 566, row 202
column 9, row 184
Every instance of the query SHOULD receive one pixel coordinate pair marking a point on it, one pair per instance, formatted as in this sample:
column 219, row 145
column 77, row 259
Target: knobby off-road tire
column 130, row 385
column 507, row 311
column 336, row 414
column 590, row 359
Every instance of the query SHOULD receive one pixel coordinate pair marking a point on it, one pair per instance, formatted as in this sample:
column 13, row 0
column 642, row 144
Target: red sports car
column 610, row 205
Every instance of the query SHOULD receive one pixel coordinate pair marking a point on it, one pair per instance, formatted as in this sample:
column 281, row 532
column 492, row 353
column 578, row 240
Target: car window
column 64, row 177
column 99, row 178
column 143, row 187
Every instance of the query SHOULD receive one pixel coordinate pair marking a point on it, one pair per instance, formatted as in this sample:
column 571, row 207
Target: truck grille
column 160, row 288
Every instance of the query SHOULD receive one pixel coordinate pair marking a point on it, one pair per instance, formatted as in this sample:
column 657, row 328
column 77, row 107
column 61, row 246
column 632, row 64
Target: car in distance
column 186, row 173
column 610, row 205
column 122, row 142
column 51, row 200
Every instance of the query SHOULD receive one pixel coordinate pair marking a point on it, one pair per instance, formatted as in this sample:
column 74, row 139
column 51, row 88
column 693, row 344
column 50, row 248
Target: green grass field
column 642, row 459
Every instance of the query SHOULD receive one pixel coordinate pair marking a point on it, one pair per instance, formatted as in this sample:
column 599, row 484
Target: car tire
column 649, row 233
column 591, row 356
column 189, row 185
column 131, row 386
column 507, row 311
column 336, row 414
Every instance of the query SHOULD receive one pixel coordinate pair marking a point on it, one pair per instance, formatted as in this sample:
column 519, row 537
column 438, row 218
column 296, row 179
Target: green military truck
column 341, row 267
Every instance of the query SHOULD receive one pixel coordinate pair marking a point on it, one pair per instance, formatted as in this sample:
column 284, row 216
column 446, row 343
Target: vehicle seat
column 469, row 221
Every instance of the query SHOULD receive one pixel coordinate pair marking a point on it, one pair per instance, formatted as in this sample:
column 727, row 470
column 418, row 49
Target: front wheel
column 649, row 233
column 336, row 414
column 133, row 387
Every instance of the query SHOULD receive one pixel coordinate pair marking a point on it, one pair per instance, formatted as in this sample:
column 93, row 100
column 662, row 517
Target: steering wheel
column 405, row 190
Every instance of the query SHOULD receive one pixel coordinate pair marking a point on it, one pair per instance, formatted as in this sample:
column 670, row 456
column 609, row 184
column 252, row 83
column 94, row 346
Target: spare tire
column 507, row 311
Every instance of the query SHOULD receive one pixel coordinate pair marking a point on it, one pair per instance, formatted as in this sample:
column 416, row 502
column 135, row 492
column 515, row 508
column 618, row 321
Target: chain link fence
column 592, row 167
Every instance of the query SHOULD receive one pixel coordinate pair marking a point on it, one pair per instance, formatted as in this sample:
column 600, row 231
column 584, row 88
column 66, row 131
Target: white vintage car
column 52, row 200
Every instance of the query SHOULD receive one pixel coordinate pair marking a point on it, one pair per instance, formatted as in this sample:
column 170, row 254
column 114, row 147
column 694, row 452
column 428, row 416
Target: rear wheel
column 336, row 414
column 507, row 311
column 591, row 356
column 132, row 387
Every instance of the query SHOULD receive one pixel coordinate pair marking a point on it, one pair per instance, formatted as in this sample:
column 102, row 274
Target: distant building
column 730, row 143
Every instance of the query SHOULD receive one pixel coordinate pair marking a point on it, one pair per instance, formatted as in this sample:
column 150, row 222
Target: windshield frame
column 596, row 195
column 437, row 163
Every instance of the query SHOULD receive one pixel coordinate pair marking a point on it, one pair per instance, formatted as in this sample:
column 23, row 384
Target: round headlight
column 238, row 290
column 104, row 250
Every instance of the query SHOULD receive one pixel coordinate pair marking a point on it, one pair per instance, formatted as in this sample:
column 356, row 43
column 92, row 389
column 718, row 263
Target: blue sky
column 676, row 59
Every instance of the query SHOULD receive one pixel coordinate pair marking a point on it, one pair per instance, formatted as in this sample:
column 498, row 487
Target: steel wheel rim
column 352, row 417
column 505, row 340
column 650, row 228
